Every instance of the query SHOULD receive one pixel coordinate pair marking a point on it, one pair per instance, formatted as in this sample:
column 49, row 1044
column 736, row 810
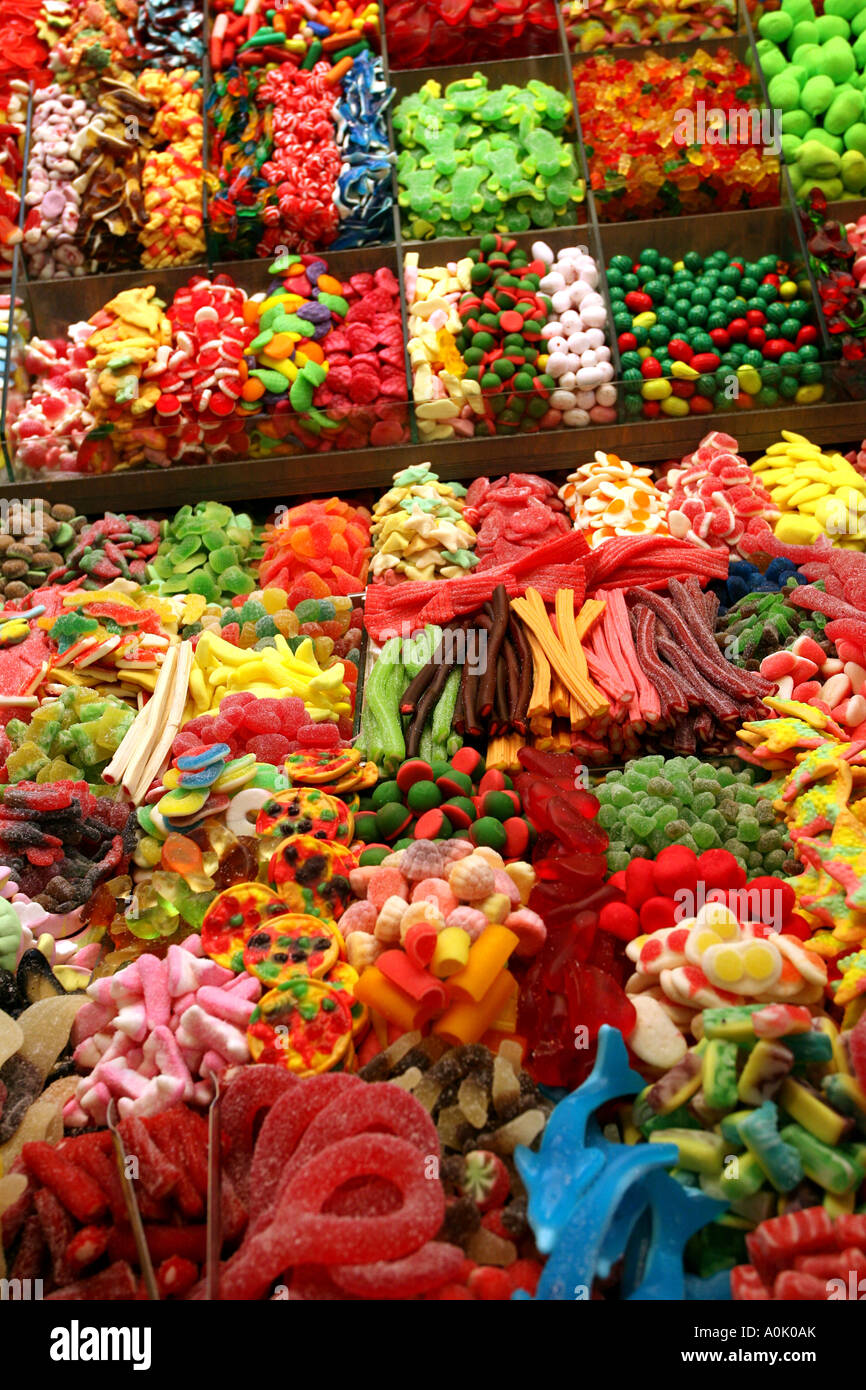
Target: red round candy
column 675, row 867
column 651, row 367
column 467, row 760
column 516, row 837
column 717, row 868
column 510, row 321
column 720, row 337
column 432, row 824
column 639, row 881
column 756, row 337
column 755, row 318
column 657, row 913
column 738, row 329
column 619, row 920
column 680, row 350
column 492, row 781
column 415, row 770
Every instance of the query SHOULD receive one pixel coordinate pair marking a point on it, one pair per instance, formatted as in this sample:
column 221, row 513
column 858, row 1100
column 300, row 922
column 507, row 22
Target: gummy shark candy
column 589, row 1199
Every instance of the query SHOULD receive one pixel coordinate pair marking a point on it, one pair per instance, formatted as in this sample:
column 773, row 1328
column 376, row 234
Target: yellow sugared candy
column 277, row 672
column 817, row 493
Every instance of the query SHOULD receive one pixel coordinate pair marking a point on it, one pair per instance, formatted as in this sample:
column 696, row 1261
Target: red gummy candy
column 78, row 1192
column 269, row 748
column 428, row 1268
column 251, row 1091
column 324, row 735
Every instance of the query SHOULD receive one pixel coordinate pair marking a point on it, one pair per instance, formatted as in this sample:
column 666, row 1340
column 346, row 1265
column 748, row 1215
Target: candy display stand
column 274, row 463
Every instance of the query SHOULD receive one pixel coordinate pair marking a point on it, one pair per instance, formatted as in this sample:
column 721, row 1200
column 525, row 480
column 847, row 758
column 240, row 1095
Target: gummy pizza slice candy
column 232, row 918
column 289, row 946
column 316, row 768
column 312, row 876
column 306, row 811
column 344, row 976
column 303, row 1025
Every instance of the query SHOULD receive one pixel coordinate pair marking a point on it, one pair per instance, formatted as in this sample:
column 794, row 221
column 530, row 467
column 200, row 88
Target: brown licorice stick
column 487, row 683
column 415, row 689
column 500, row 699
column 459, row 717
column 470, row 686
column 424, row 708
column 512, row 674
column 524, row 660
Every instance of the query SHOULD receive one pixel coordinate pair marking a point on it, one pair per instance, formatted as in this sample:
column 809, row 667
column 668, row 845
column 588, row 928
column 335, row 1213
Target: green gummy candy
column 777, row 26
column 773, row 60
column 465, row 197
column 855, row 137
column 202, row 583
column 790, row 146
column 796, row 123
column 335, row 302
column 784, row 92
column 294, row 324
column 817, row 94
column 236, row 581
column 832, row 26
column 857, row 20
column 223, row 558
column 809, row 59
column 261, row 341
column 854, row 171
column 799, row 10
column 846, row 9
column 845, row 109
column 814, row 160
column 830, row 142
column 859, row 49
column 804, row 32
column 274, row 382
column 301, row 394
column 547, row 153
column 838, row 60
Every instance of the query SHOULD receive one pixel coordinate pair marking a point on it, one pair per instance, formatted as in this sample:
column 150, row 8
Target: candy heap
column 721, row 331
column 805, row 1254
column 208, row 550
column 498, row 341
column 301, row 147
column 812, row 69
column 325, row 544
column 696, row 147
column 115, row 177
column 816, row 493
column 453, row 184
column 422, row 36
column 592, row 24
column 715, row 494
column 611, row 497
column 655, row 802
column 512, row 515
column 418, row 529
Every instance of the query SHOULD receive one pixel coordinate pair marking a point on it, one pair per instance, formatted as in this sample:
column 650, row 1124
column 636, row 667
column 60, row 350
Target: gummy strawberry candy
column 429, row 1268
column 263, row 716
column 323, row 735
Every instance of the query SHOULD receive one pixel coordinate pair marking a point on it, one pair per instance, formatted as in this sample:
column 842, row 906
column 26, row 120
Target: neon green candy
column 817, row 94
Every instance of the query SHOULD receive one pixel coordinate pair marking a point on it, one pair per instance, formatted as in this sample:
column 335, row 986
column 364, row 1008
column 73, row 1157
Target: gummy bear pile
column 436, row 872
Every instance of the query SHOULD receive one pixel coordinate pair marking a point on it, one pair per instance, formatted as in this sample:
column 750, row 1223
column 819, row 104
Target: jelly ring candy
column 743, row 967
column 312, row 875
column 194, row 762
column 304, row 1025
column 182, row 802
column 315, row 769
column 306, row 811
column 344, row 976
column 231, row 919
column 291, row 945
